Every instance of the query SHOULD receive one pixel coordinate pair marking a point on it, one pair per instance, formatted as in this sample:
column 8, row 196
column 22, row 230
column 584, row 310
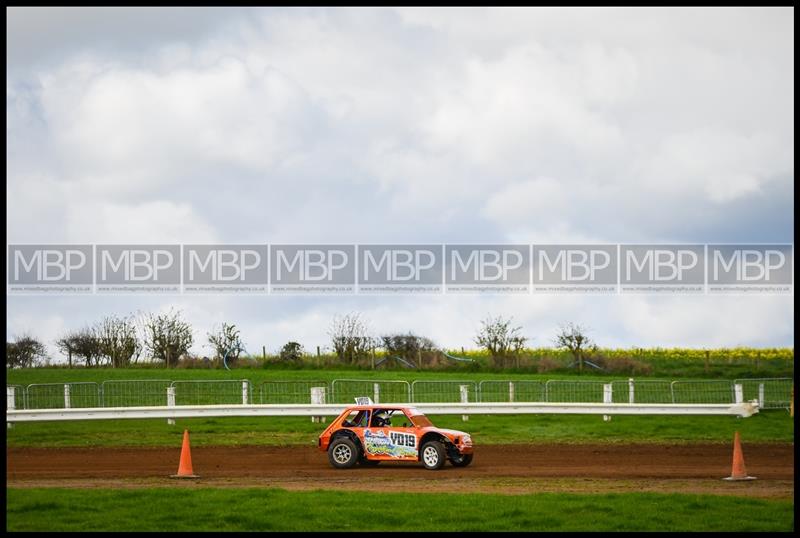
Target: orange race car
column 369, row 433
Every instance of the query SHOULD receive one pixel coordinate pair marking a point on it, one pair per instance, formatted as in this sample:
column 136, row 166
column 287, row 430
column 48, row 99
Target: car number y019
column 403, row 439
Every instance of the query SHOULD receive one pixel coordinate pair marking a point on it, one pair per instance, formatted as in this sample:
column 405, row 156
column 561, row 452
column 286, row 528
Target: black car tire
column 342, row 453
column 432, row 455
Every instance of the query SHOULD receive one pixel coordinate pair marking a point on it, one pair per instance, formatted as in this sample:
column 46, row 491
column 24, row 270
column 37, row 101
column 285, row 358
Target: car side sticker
column 396, row 445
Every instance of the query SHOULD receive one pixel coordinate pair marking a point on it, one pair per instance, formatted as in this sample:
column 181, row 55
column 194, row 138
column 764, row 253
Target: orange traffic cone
column 738, row 472
column 185, row 466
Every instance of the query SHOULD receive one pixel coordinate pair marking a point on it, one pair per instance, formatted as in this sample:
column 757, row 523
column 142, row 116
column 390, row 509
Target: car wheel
column 462, row 460
column 432, row 455
column 342, row 453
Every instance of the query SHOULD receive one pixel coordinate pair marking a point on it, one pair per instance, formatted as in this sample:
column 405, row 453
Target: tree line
column 503, row 340
column 121, row 341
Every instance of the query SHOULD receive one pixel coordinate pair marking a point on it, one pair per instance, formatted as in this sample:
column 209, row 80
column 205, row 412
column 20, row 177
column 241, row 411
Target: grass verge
column 252, row 509
column 27, row 376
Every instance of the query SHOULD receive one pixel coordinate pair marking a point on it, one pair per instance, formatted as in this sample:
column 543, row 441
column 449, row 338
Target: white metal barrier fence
column 289, row 392
column 716, row 391
column 425, row 391
column 562, row 390
column 511, row 391
column 345, row 390
column 642, row 391
column 742, row 409
column 134, row 392
column 62, row 395
column 772, row 393
column 213, row 392
column 15, row 397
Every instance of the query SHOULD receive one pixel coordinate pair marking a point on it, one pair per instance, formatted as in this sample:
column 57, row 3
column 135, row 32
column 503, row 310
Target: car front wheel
column 342, row 453
column 432, row 455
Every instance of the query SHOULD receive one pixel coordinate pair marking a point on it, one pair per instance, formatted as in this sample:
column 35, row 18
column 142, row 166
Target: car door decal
column 395, row 445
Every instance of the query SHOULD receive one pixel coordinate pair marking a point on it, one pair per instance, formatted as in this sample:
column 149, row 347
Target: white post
column 171, row 403
column 11, row 393
column 607, row 398
column 630, row 390
column 761, row 395
column 464, row 399
column 738, row 396
column 317, row 398
column 245, row 399
column 376, row 392
column 510, row 391
column 66, row 396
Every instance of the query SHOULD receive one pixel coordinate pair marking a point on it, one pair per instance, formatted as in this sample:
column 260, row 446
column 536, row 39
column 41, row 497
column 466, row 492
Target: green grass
column 27, row 376
column 723, row 363
column 253, row 509
column 766, row 426
column 259, row 375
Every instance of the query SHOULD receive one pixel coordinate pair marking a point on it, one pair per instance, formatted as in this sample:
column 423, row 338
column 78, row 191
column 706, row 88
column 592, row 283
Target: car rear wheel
column 432, row 455
column 342, row 453
column 462, row 460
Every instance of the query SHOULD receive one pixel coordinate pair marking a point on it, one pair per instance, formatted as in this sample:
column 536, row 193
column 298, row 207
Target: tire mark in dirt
column 496, row 468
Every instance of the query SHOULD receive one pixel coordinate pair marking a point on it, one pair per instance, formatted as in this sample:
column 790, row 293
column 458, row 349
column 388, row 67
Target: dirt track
column 695, row 468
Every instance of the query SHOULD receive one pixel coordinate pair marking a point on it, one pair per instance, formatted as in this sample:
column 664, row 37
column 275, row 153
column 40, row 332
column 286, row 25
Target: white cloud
column 543, row 198
column 706, row 321
column 408, row 125
column 124, row 130
column 542, row 210
column 530, row 100
column 162, row 222
column 719, row 165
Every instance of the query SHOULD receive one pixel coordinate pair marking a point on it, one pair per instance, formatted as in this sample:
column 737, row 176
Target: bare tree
column 499, row 338
column 166, row 336
column 573, row 338
column 117, row 341
column 88, row 347
column 81, row 344
column 350, row 338
column 68, row 345
column 225, row 339
column 24, row 351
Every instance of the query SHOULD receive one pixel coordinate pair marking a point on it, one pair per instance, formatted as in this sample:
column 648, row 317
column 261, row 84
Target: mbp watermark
column 575, row 268
column 662, row 268
column 400, row 268
column 406, row 268
column 35, row 269
column 487, row 268
column 138, row 268
column 323, row 269
column 225, row 268
column 750, row 268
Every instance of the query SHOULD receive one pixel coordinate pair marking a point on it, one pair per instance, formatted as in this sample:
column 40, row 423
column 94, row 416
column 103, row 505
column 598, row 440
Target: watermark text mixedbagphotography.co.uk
column 283, row 269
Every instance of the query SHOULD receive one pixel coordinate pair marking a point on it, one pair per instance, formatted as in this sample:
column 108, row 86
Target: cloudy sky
column 265, row 125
